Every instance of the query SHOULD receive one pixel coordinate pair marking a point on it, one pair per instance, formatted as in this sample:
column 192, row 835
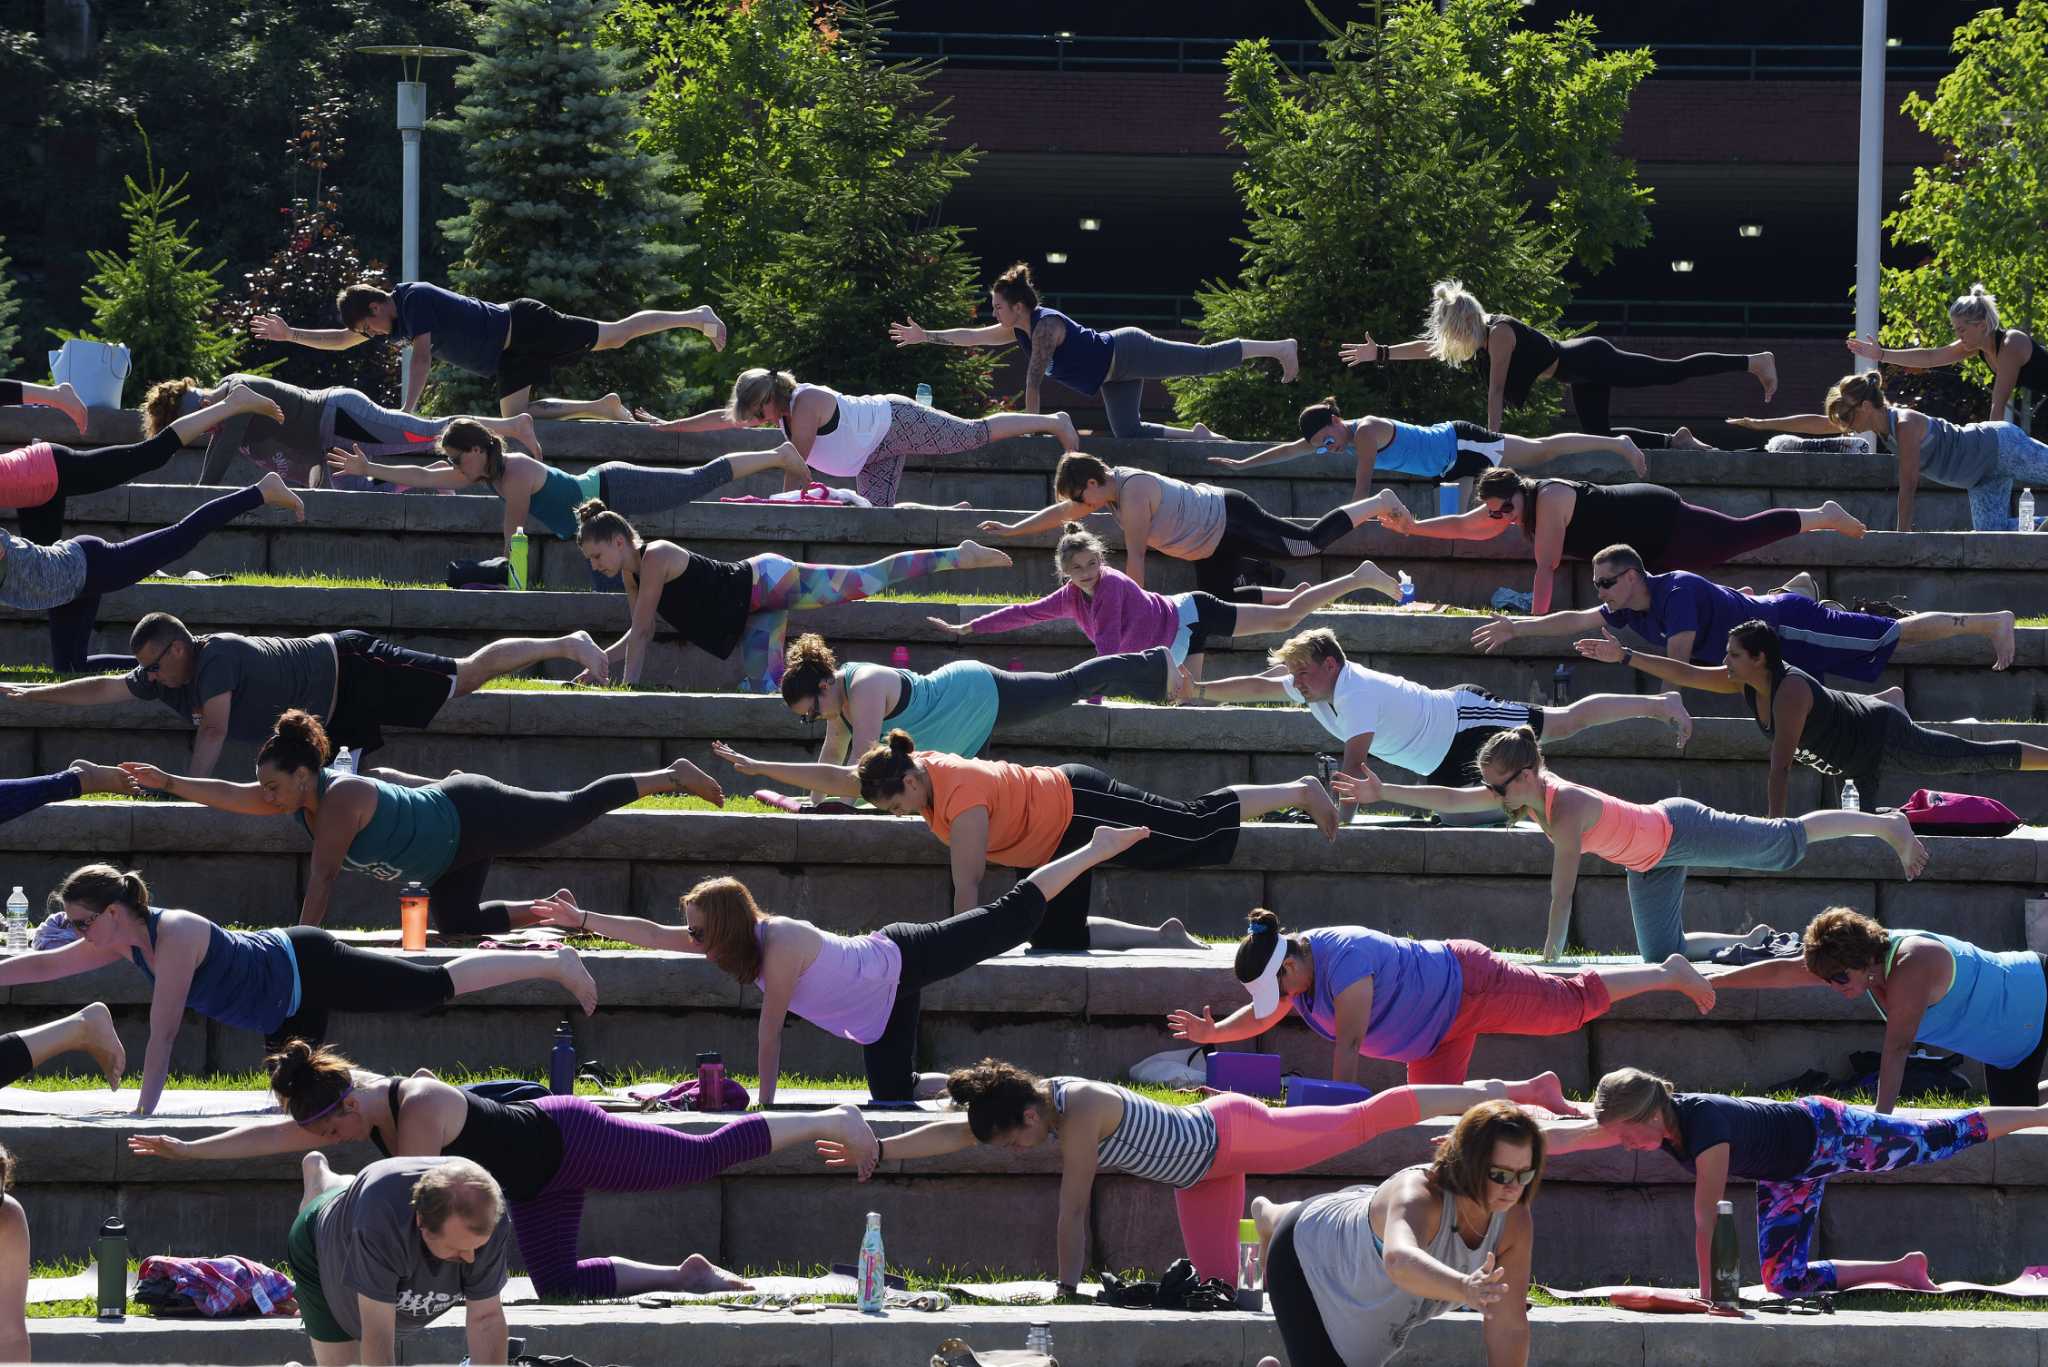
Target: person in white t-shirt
column 1434, row 732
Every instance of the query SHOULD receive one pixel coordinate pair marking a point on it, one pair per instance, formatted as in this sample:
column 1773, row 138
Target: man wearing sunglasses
column 1688, row 617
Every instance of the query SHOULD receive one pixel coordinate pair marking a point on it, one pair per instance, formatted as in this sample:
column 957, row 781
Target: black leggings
column 499, row 820
column 1186, row 833
column 1593, row 367
column 15, row 1063
column 933, row 950
column 1134, row 674
column 1249, row 530
column 1303, row 1336
column 91, row 472
column 115, row 565
column 2020, row 1085
column 1919, row 749
column 1702, row 538
column 338, row 977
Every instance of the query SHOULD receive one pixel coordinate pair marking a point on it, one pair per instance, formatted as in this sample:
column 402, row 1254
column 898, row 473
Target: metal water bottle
column 1727, row 1261
column 111, row 1254
column 520, row 566
column 562, row 1061
column 924, row 394
column 711, row 1081
column 872, row 1287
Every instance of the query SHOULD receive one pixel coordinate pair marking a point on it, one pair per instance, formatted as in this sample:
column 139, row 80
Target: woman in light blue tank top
column 1985, row 458
column 1989, row 1005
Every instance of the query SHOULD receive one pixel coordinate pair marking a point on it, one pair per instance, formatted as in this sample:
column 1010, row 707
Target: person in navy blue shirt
column 1688, row 617
column 520, row 343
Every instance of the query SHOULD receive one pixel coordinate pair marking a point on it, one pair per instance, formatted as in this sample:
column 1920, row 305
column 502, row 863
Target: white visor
column 1265, row 988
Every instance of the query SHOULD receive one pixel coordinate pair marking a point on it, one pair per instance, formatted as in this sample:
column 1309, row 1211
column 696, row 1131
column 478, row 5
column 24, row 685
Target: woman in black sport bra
column 547, row 1154
column 719, row 606
column 1566, row 519
column 1512, row 356
column 2016, row 360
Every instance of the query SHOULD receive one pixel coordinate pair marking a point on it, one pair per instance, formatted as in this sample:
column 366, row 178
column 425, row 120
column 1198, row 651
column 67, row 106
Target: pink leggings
column 1253, row 1137
column 1502, row 997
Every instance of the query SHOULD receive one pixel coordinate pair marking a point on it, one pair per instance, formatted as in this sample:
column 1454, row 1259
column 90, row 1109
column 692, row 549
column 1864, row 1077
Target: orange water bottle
column 413, row 903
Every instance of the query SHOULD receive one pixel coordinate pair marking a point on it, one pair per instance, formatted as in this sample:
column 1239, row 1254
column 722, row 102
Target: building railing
column 1610, row 317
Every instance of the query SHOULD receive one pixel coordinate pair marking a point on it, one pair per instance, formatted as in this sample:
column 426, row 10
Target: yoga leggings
column 15, row 1060
column 500, row 820
column 1593, row 367
column 1703, row 837
column 110, row 566
column 1139, row 356
column 631, row 489
column 1501, row 997
column 914, row 430
column 1304, row 1338
column 783, row 586
column 1702, row 538
column 90, row 472
column 338, row 977
column 605, row 1152
column 1846, row 1139
column 1920, row 750
column 1254, row 1137
column 1186, row 833
column 1027, row 697
column 933, row 950
column 1249, row 530
column 20, row 796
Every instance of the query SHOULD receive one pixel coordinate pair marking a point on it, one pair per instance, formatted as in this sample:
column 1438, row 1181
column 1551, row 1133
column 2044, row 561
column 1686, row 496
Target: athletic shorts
column 1833, row 642
column 539, row 340
column 378, row 684
column 1481, row 716
column 1203, row 616
column 302, row 1251
column 1478, row 450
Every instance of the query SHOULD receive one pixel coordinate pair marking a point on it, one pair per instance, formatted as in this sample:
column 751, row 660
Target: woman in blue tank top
column 1989, row 1005
column 281, row 982
column 1114, row 364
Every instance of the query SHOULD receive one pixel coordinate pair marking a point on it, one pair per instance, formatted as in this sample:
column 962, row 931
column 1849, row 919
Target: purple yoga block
column 1252, row 1074
column 1320, row 1091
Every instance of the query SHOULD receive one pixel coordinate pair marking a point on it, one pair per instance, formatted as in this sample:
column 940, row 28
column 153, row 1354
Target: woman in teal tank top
column 400, row 828
column 1986, row 459
column 1990, row 1005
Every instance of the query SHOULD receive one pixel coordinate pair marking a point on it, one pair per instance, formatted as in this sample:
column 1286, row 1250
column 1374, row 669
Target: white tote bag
column 95, row 369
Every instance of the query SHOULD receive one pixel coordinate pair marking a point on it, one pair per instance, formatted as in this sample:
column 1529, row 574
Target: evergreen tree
column 563, row 205
column 866, row 181
column 10, row 335
column 156, row 299
column 1420, row 156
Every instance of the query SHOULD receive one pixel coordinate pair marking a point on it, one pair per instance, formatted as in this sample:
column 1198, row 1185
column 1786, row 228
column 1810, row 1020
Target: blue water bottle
column 562, row 1061
column 924, row 395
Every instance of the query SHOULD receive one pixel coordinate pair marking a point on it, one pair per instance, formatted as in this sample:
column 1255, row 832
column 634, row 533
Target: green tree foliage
column 156, row 299
column 1444, row 144
column 1979, row 211
column 319, row 258
column 564, row 206
column 867, row 176
column 10, row 335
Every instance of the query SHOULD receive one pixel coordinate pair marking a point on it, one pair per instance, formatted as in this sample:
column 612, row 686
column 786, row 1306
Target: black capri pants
column 1303, row 1335
column 1250, row 531
column 502, row 820
column 338, row 977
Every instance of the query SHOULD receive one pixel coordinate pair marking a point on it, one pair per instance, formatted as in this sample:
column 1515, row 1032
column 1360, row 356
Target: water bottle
column 872, row 1288
column 562, row 1061
column 17, row 921
column 924, row 395
column 1407, row 588
column 1561, row 686
column 2026, row 510
column 900, row 657
column 1251, row 1277
column 345, row 760
column 1447, row 500
column 1038, row 1338
column 711, row 1081
column 414, row 902
column 1852, row 801
column 1727, row 1261
column 111, row 1254
column 519, row 569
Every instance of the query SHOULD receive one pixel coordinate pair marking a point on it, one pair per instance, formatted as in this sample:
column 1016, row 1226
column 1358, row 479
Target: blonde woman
column 2015, row 359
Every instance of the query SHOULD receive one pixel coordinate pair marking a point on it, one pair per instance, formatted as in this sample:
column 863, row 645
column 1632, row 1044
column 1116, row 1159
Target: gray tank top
column 1190, row 520
column 1367, row 1316
column 1960, row 457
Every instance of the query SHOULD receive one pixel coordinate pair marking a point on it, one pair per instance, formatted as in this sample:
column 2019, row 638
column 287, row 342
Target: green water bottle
column 1727, row 1260
column 521, row 568
column 111, row 1254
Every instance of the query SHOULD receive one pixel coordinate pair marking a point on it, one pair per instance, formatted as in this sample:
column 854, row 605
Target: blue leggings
column 20, row 796
column 2021, row 460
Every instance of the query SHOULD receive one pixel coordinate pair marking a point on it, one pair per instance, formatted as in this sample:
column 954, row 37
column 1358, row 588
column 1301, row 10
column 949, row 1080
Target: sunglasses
column 1505, row 1177
column 1841, row 979
column 1326, row 445
column 816, row 714
column 693, row 932
column 1502, row 513
column 1500, row 789
column 1609, row 582
column 76, row 926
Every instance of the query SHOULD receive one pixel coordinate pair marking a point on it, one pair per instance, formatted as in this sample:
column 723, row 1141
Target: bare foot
column 1111, row 841
column 571, row 974
column 712, row 327
column 1802, row 584
column 1898, row 833
column 1371, row 576
column 1836, row 518
column 589, row 655
column 698, row 1273
column 100, row 778
column 1068, row 436
column 611, row 408
column 279, row 495
column 1633, row 454
column 1912, row 1271
column 103, row 1044
column 1894, row 695
column 1315, row 800
column 1764, row 366
column 688, row 778
column 1201, row 431
column 928, row 1087
column 1545, row 1090
column 1684, row 440
column 1679, row 719
column 71, row 406
column 1173, row 934
column 242, row 399
column 2005, row 641
column 975, row 556
column 526, row 434
column 1687, row 979
column 313, row 1175
column 861, row 1145
column 1290, row 361
column 1757, row 937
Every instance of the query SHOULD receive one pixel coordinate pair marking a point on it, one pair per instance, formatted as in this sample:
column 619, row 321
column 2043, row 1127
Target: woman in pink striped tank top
column 1655, row 843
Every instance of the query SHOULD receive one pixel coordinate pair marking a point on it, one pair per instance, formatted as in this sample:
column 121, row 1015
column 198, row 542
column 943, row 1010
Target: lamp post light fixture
column 1683, row 266
column 1055, row 258
column 1749, row 230
column 1091, row 225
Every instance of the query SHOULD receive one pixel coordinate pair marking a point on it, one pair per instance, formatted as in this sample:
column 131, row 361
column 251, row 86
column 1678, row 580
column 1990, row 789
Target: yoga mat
column 2031, row 1284
column 533, row 937
column 1015, row 1293
column 100, row 1104
column 828, row 1285
column 78, row 1286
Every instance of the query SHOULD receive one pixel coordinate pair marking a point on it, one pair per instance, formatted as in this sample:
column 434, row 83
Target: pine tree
column 869, row 178
column 10, row 335
column 564, row 207
column 319, row 258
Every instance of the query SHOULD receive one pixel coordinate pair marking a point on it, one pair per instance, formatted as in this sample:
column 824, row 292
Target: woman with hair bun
column 1113, row 364
column 547, row 1153
column 402, row 828
column 719, row 606
column 867, row 438
column 864, row 988
column 1203, row 1151
column 2016, row 359
column 1424, row 1003
column 1512, row 356
column 280, row 982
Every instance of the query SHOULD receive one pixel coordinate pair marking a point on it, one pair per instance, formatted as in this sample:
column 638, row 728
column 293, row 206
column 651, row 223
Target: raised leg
column 1892, row 828
column 610, row 408
column 515, row 653
column 483, row 969
column 1830, row 517
column 1996, row 627
column 1604, row 709
column 646, row 321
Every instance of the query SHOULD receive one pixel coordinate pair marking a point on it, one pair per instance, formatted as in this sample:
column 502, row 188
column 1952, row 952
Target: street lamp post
column 1870, row 169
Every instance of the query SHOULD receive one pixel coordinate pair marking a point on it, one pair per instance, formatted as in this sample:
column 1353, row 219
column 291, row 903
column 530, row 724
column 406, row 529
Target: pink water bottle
column 900, row 657
column 710, row 1082
column 1016, row 664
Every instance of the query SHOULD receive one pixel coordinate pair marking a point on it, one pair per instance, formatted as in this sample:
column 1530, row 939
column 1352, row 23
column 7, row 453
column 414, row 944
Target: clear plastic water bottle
column 924, row 395
column 17, row 921
column 1251, row 1276
column 562, row 1061
column 872, row 1287
column 1407, row 588
column 519, row 570
column 2026, row 510
column 1038, row 1339
column 1852, row 800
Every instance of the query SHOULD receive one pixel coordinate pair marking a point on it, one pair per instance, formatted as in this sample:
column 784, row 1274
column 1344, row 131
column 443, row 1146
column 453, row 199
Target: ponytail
column 596, row 522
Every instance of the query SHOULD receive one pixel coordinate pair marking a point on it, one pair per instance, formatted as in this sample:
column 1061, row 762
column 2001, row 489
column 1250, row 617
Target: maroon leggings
column 1702, row 538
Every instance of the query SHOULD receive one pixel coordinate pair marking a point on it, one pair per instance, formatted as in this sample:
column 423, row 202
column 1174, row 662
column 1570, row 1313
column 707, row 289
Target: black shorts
column 378, row 684
column 1215, row 620
column 1478, row 450
column 539, row 339
column 1481, row 716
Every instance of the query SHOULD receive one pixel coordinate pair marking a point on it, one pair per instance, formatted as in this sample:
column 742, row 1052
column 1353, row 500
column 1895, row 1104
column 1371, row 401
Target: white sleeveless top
column 863, row 422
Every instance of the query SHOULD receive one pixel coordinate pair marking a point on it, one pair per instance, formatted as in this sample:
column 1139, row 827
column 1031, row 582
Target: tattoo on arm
column 1043, row 343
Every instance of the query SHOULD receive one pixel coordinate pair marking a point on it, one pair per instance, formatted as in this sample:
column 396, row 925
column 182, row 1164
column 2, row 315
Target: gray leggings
column 1140, row 357
column 633, row 489
column 1703, row 837
column 1134, row 674
column 1921, row 750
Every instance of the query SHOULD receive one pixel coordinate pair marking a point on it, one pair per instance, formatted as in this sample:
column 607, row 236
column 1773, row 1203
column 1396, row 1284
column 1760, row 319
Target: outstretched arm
column 1606, row 649
column 1044, row 520
column 245, row 798
column 271, row 328
column 1272, row 455
column 562, row 910
column 838, row 780
column 1501, row 630
column 94, row 692
column 1800, row 424
column 1912, row 358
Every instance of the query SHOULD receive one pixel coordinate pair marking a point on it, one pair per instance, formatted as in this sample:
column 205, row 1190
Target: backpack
column 1938, row 813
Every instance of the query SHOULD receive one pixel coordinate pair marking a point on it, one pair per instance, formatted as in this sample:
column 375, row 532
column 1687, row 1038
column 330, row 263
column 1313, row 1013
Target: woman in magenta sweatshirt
column 1118, row 615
